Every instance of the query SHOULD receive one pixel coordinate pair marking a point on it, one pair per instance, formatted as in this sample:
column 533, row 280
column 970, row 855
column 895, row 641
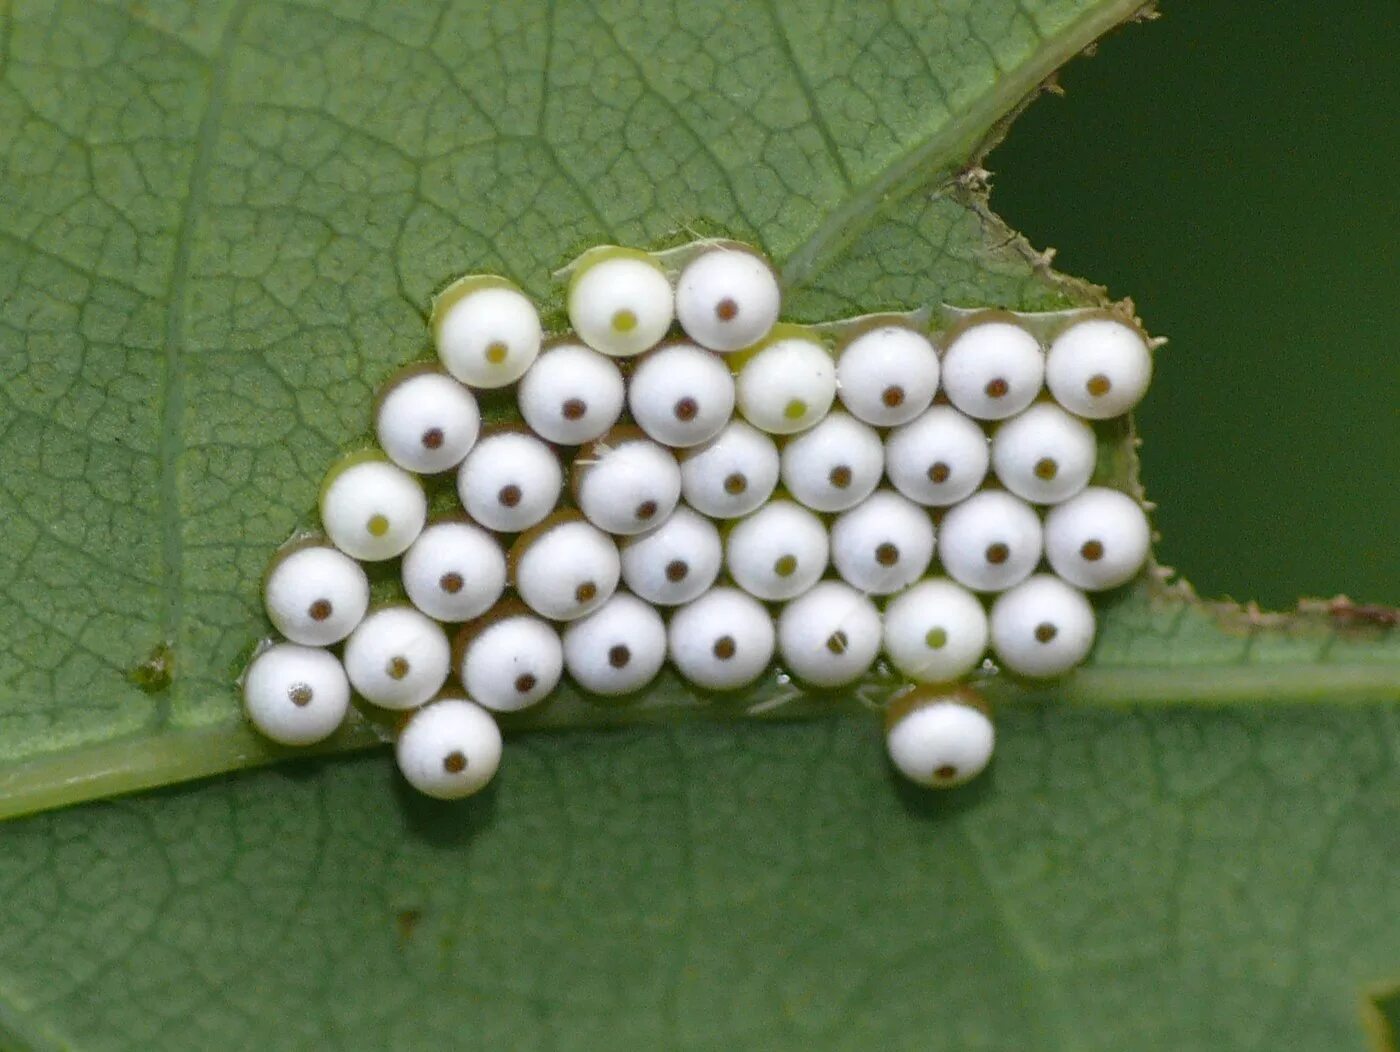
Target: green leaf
column 220, row 227
column 1172, row 878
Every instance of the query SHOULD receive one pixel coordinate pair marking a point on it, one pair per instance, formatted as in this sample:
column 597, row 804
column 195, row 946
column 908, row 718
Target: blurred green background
column 1235, row 168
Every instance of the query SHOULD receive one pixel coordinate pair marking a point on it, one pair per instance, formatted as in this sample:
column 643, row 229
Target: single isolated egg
column 1097, row 540
column 829, row 636
column 625, row 483
column 788, row 383
column 835, row 465
column 454, row 571
column 883, row 544
column 1042, row 628
column 296, row 695
column 617, row 649
column 732, row 474
column 1044, row 455
column 938, row 458
column 449, row 749
column 509, row 659
column 425, row 420
column 681, row 394
column 486, row 330
column 397, row 658
column 887, row 375
column 620, row 300
column 510, row 481
column 727, row 297
column 721, row 641
column 1099, row 367
column 778, row 552
column 675, row 562
column 565, row 567
column 992, row 367
column 571, row 395
column 935, row 632
column 315, row 595
column 990, row 541
column 371, row 509
column 939, row 738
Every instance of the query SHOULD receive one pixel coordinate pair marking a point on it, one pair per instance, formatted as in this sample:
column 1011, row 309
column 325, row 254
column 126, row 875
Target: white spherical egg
column 1097, row 540
column 625, row 483
column 778, row 552
column 397, row 658
column 510, row 481
column 938, row 458
column 510, row 659
column 835, row 465
column 1042, row 627
column 370, row 508
column 939, row 740
column 1044, row 455
column 829, row 636
column 315, row 595
column 449, row 749
column 296, row 695
column 788, row 384
column 1098, row 368
column 487, row 331
column 727, row 297
column 990, row 541
column 681, row 395
column 721, row 641
column 426, row 421
column 617, row 649
column 620, row 301
column 565, row 568
column 993, row 369
column 888, row 375
column 454, row 571
column 883, row 544
column 935, row 632
column 675, row 562
column 732, row 474
column 571, row 395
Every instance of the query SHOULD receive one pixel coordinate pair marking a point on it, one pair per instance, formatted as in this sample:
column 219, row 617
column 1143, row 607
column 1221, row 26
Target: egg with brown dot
column 315, row 595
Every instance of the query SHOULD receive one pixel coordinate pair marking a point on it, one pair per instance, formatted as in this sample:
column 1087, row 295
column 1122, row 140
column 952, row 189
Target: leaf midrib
column 172, row 390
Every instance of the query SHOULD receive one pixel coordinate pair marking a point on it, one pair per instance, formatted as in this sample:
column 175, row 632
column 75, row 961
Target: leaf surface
column 220, row 227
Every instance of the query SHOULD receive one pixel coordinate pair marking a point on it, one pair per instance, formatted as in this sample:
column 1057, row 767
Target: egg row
column 620, row 303
column 681, row 395
column 626, row 484
column 726, row 298
column 565, row 568
column 399, row 659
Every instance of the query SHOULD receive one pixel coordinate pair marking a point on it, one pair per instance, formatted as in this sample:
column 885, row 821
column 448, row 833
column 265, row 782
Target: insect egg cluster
column 684, row 478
